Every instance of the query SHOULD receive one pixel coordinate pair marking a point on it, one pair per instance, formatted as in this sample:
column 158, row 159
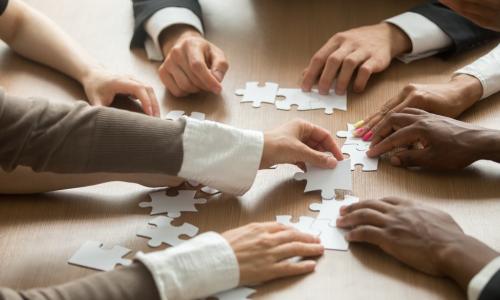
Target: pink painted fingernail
column 360, row 131
column 368, row 136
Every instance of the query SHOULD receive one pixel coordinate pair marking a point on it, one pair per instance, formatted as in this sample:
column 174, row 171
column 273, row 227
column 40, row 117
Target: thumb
column 317, row 158
column 409, row 158
column 219, row 64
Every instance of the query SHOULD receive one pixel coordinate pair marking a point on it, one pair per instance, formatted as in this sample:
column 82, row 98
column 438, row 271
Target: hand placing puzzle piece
column 165, row 232
column 92, row 255
column 327, row 180
column 172, row 205
column 258, row 94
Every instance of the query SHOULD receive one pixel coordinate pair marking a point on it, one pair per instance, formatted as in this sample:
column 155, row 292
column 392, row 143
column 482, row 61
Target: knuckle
column 176, row 52
column 334, row 59
column 366, row 70
column 317, row 59
column 196, row 65
column 350, row 61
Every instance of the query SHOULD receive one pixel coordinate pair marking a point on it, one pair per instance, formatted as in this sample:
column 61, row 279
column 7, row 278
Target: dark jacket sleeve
column 144, row 9
column 464, row 33
column 492, row 290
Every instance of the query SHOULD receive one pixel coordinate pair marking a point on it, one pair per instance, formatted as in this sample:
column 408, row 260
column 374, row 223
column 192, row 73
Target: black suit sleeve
column 492, row 289
column 464, row 33
column 144, row 9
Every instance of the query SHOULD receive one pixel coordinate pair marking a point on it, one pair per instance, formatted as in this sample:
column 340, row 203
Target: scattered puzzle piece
column 176, row 114
column 173, row 205
column 239, row 293
column 92, row 255
column 358, row 157
column 310, row 100
column 330, row 209
column 258, row 94
column 327, row 180
column 304, row 224
column 165, row 232
column 353, row 140
column 332, row 238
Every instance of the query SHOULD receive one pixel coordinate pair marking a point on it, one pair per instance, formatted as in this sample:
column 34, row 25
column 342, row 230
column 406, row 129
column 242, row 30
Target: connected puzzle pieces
column 353, row 140
column 356, row 148
column 162, row 203
column 165, row 232
column 327, row 180
column 330, row 209
column 239, row 293
column 93, row 255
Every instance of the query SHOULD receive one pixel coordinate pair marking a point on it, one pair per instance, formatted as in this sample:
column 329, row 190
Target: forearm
column 38, row 38
column 134, row 282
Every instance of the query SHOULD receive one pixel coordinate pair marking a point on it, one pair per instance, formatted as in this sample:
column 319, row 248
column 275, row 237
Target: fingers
column 317, row 64
column 294, row 249
column 390, row 123
column 199, row 66
column 403, row 137
column 320, row 139
column 363, row 216
column 364, row 73
column 377, row 205
column 219, row 64
column 410, row 158
column 286, row 269
column 333, row 63
column 145, row 95
column 366, row 234
column 169, row 82
column 349, row 65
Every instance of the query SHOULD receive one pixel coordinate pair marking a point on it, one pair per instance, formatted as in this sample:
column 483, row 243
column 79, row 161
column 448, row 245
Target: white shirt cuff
column 487, row 70
column 163, row 19
column 478, row 282
column 195, row 269
column 221, row 156
column 426, row 37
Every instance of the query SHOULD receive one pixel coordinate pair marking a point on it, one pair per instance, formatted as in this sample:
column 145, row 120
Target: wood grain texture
column 264, row 41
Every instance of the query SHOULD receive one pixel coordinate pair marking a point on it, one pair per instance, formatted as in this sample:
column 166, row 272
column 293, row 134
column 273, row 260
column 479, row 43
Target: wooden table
column 265, row 41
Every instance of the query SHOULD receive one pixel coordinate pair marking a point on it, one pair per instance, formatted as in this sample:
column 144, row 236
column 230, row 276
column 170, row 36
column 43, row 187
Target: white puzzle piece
column 172, row 205
column 176, row 114
column 165, row 232
column 330, row 209
column 358, row 157
column 332, row 238
column 304, row 224
column 92, row 255
column 258, row 94
column 310, row 100
column 327, row 180
column 209, row 190
column 353, row 140
column 239, row 293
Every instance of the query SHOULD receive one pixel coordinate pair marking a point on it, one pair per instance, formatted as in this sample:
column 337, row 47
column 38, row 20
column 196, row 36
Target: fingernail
column 360, row 131
column 368, row 136
column 219, row 75
column 359, row 123
column 395, row 161
column 339, row 221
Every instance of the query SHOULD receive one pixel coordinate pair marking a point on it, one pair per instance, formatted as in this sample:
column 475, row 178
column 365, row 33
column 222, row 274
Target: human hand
column 263, row 250
column 192, row 64
column 447, row 99
column 434, row 141
column 367, row 50
column 482, row 12
column 300, row 141
column 102, row 86
column 422, row 237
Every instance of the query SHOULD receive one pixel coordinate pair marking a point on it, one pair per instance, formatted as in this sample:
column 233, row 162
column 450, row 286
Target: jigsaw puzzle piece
column 162, row 203
column 209, row 190
column 328, row 102
column 332, row 238
column 353, row 140
column 92, row 255
column 239, row 293
column 358, row 157
column 293, row 97
column 165, row 232
column 258, row 94
column 174, row 115
column 327, row 180
column 330, row 209
column 304, row 224
column 310, row 100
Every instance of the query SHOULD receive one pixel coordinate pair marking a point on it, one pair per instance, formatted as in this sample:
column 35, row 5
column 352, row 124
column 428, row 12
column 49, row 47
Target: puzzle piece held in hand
column 258, row 94
column 92, row 255
column 239, row 293
column 165, row 232
column 310, row 100
column 304, row 224
column 330, row 209
column 173, row 205
column 327, row 180
column 358, row 157
column 176, row 114
column 332, row 238
column 353, row 140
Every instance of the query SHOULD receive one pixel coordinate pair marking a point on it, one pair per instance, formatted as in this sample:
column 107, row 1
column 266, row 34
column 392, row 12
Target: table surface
column 264, row 41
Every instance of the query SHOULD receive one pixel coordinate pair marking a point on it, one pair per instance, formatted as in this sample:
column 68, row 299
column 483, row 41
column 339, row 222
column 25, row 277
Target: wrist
column 399, row 41
column 469, row 89
column 487, row 144
column 174, row 34
column 463, row 258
